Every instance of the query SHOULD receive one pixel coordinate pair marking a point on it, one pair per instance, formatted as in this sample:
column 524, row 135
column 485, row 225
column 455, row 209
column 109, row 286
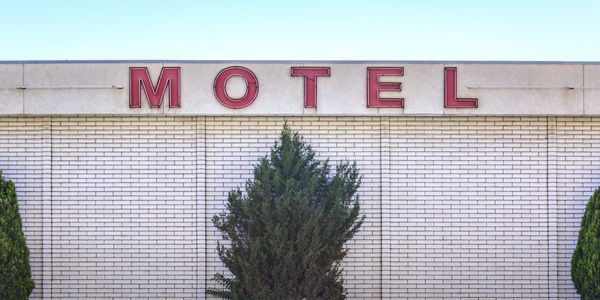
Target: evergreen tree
column 15, row 273
column 585, row 263
column 288, row 231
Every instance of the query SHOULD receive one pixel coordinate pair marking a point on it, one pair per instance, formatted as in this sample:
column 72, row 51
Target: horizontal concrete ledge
column 157, row 114
column 167, row 61
column 103, row 88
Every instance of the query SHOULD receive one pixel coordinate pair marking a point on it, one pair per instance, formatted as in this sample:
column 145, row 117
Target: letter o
column 220, row 89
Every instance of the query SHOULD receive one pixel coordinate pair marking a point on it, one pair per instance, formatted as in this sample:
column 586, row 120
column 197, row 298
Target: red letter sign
column 221, row 91
column 374, row 86
column 450, row 99
column 310, row 75
column 169, row 76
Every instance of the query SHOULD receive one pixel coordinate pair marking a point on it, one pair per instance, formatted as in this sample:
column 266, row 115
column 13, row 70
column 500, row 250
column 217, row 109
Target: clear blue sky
column 304, row 30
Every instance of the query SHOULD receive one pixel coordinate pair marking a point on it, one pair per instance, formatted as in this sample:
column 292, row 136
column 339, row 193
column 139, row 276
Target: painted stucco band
column 105, row 89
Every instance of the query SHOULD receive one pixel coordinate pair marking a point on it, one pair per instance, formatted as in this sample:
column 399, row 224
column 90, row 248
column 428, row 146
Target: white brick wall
column 462, row 207
column 469, row 209
column 578, row 175
column 21, row 160
column 124, row 207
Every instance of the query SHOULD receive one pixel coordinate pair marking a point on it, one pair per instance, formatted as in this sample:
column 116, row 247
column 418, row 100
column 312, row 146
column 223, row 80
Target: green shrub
column 585, row 263
column 288, row 231
column 15, row 273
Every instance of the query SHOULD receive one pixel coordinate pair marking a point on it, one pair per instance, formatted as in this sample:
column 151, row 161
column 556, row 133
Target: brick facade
column 457, row 207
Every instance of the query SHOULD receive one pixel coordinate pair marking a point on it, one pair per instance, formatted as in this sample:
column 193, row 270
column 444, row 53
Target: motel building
column 475, row 174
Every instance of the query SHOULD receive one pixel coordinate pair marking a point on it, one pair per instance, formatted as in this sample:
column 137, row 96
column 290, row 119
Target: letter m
column 140, row 78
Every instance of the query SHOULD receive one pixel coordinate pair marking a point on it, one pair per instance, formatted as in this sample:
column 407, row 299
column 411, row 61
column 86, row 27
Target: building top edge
column 305, row 62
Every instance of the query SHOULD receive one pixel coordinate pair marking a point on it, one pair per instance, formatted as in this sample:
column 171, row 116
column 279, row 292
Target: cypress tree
column 15, row 273
column 585, row 263
column 286, row 234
